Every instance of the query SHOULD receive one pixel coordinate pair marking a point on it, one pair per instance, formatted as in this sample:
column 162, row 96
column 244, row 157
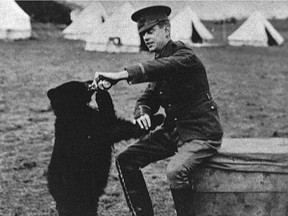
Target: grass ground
column 249, row 84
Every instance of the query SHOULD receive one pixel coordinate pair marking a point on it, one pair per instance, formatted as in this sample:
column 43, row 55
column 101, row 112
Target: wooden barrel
column 248, row 177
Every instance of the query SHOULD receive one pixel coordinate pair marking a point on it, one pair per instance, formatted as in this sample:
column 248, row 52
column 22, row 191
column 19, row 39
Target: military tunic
column 178, row 83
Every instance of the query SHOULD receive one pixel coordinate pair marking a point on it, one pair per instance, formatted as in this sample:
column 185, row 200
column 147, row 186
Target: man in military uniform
column 191, row 132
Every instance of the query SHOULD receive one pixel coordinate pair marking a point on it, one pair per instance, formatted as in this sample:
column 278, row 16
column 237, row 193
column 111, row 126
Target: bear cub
column 81, row 158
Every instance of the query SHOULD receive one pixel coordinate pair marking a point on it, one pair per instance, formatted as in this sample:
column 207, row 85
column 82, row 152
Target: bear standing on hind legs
column 81, row 159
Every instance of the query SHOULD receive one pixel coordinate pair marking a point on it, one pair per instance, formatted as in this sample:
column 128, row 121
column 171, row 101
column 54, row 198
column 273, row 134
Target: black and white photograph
column 143, row 108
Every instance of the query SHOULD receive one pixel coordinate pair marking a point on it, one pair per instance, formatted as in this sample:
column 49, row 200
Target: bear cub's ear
column 51, row 94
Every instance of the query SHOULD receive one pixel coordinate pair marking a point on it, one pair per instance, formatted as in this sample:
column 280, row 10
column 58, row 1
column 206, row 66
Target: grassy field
column 249, row 84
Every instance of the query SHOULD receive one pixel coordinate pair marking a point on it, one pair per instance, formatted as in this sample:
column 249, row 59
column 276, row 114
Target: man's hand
column 104, row 80
column 144, row 122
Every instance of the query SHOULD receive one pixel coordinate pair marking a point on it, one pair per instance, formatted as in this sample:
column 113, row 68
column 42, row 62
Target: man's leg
column 153, row 147
column 181, row 168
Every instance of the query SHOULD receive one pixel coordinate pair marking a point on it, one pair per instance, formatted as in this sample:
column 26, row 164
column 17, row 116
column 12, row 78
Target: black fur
column 81, row 159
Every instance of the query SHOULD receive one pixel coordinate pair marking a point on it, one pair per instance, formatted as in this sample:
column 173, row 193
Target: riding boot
column 135, row 190
column 183, row 201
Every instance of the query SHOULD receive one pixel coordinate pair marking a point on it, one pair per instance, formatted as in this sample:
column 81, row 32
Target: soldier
column 191, row 132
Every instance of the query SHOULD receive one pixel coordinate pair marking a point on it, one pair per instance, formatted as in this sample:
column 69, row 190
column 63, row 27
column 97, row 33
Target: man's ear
column 167, row 30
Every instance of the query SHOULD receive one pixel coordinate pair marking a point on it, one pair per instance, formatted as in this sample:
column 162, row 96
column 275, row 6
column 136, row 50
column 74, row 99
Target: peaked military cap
column 150, row 16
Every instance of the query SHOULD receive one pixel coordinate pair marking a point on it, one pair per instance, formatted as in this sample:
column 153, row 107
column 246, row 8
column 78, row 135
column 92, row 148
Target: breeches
column 162, row 144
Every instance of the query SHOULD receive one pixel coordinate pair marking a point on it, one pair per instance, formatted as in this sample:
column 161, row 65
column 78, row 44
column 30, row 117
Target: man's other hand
column 144, row 122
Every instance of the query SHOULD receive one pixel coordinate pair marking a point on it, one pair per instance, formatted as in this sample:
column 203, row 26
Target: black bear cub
column 84, row 136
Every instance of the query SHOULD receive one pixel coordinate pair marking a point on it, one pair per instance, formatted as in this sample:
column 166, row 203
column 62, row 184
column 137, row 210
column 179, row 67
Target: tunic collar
column 166, row 50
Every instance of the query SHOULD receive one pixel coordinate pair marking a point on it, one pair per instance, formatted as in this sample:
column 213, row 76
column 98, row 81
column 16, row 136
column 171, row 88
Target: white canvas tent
column 187, row 27
column 14, row 22
column 255, row 31
column 211, row 9
column 86, row 22
column 118, row 34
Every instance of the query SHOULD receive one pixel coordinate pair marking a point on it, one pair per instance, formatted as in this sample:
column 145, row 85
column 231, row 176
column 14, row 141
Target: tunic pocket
column 210, row 122
column 201, row 122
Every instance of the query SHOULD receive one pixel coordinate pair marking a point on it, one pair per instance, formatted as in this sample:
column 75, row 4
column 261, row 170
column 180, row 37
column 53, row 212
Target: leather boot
column 183, row 201
column 135, row 191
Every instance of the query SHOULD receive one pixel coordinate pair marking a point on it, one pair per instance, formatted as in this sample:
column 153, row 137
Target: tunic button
column 212, row 107
column 160, row 92
column 169, row 105
column 175, row 119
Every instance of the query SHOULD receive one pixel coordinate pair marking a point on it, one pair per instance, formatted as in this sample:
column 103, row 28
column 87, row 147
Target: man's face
column 156, row 38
